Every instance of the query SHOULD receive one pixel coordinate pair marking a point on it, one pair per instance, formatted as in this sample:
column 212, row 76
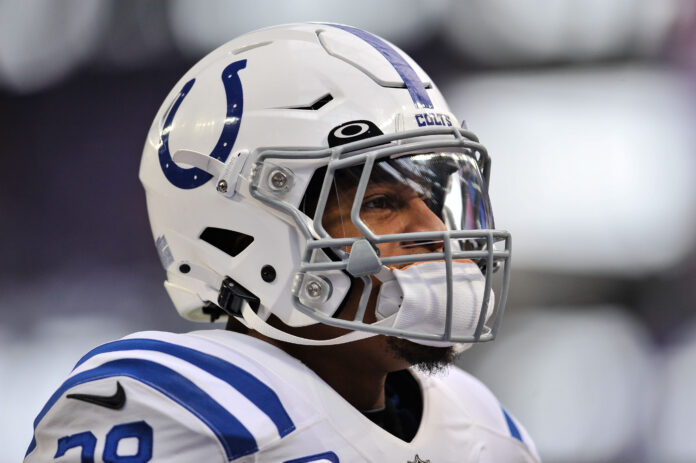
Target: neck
column 359, row 384
column 352, row 370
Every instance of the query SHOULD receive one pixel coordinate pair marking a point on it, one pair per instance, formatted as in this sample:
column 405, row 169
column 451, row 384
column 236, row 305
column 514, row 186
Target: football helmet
column 284, row 175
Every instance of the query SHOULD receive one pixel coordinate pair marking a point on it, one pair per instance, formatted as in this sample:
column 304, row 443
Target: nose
column 422, row 219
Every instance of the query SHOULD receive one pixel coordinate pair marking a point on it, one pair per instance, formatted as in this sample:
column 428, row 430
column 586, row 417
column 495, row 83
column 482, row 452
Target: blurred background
column 588, row 108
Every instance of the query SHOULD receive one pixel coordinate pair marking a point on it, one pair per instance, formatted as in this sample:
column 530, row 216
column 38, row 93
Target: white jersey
column 218, row 396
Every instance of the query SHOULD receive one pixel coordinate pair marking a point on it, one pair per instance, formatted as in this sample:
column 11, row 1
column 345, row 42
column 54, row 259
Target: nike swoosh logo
column 114, row 402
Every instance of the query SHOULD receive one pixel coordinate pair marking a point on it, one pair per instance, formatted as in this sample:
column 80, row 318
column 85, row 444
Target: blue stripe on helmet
column 414, row 85
column 234, row 437
column 247, row 384
column 514, row 432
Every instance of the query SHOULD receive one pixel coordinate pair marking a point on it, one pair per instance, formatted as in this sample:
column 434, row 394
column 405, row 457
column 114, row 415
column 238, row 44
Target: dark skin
column 358, row 370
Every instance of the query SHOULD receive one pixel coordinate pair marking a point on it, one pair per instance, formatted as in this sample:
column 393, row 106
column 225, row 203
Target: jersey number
column 138, row 429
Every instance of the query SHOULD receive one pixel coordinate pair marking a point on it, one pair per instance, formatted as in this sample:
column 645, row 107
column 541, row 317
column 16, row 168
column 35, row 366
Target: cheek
column 394, row 223
column 389, row 249
column 340, row 227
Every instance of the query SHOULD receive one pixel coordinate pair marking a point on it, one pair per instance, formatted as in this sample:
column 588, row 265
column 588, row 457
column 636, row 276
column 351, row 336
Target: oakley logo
column 426, row 119
column 194, row 177
column 352, row 131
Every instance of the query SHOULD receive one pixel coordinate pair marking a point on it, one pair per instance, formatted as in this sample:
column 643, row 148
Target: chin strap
column 256, row 323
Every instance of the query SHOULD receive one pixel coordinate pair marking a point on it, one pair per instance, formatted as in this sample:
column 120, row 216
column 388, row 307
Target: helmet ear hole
column 227, row 241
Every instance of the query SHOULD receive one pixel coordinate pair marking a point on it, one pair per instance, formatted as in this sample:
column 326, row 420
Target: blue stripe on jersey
column 414, row 85
column 514, row 432
column 326, row 456
column 248, row 385
column 234, row 437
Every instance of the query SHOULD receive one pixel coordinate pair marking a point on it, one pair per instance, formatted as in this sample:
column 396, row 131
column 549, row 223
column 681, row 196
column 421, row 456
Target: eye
column 376, row 202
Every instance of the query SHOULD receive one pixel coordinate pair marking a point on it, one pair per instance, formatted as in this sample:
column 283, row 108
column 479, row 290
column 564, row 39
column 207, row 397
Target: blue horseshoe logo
column 194, row 177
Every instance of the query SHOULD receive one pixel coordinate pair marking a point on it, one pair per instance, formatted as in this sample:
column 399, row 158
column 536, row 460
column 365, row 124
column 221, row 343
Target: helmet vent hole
column 321, row 102
column 318, row 104
column 227, row 241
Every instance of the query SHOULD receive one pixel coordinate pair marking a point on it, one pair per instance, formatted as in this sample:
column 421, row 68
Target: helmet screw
column 313, row 289
column 278, row 180
column 222, row 186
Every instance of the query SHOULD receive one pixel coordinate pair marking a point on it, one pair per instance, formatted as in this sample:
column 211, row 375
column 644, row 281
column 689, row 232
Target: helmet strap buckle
column 232, row 295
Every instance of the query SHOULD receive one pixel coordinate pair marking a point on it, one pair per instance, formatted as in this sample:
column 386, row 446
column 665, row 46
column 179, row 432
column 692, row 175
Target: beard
column 427, row 359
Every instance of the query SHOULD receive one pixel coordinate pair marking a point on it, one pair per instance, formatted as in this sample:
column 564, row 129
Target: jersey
column 219, row 396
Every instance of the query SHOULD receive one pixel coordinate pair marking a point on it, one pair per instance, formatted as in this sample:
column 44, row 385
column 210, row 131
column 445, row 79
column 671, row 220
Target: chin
column 427, row 359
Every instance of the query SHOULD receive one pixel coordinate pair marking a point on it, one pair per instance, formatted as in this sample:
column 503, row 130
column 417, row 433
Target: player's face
column 403, row 195
column 391, row 204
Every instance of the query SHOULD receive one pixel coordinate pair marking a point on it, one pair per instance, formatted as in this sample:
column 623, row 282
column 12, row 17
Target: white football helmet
column 260, row 170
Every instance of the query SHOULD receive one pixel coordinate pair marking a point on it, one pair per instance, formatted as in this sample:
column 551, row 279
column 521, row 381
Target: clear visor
column 409, row 194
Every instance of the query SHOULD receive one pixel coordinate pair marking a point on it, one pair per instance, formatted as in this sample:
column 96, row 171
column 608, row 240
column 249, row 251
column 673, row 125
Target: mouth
column 426, row 247
column 421, row 243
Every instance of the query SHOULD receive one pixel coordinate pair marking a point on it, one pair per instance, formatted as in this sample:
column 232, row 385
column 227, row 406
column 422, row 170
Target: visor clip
column 226, row 173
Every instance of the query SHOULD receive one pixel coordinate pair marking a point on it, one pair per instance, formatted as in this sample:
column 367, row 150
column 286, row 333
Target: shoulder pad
column 484, row 407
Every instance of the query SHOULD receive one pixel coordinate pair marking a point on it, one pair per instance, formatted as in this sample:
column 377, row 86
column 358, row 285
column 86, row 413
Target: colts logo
column 424, row 119
column 194, row 177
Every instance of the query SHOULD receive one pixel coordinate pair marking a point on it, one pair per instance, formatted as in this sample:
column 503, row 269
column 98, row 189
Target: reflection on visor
column 414, row 193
